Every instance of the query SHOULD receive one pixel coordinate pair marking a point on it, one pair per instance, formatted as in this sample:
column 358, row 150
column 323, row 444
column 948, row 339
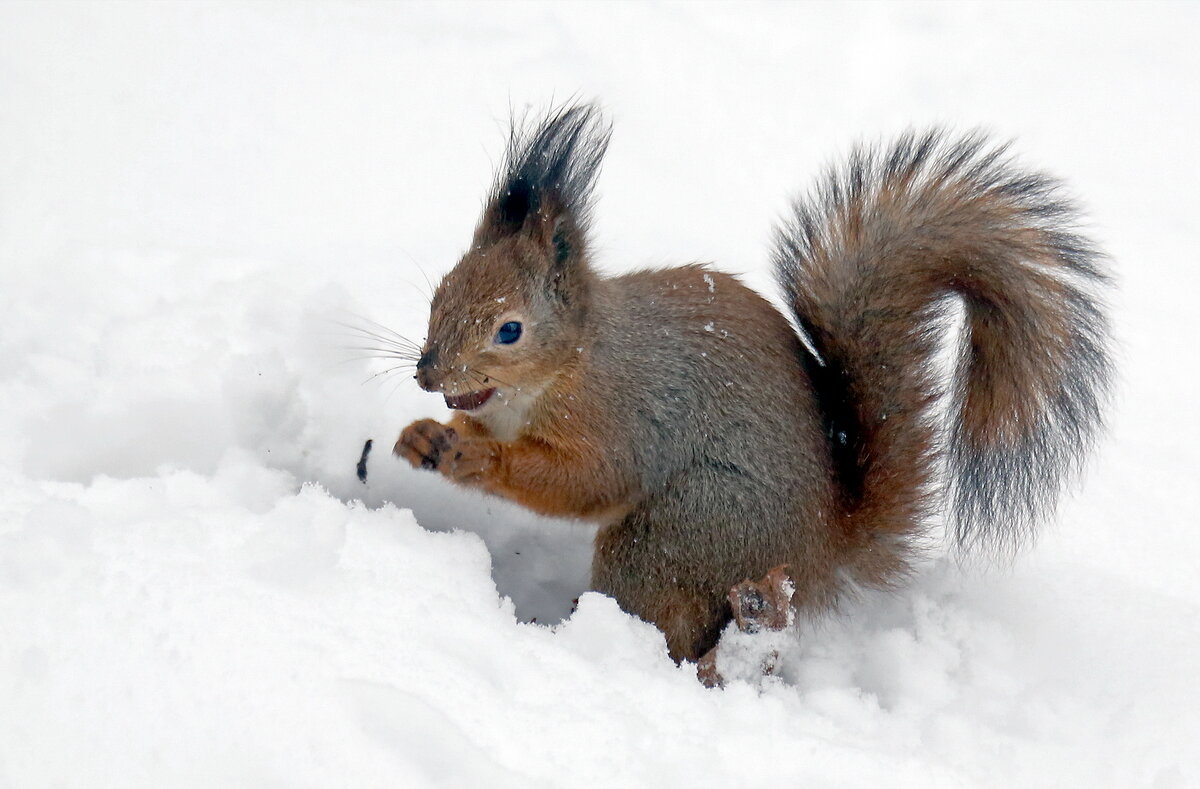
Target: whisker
column 385, row 329
column 416, row 286
column 395, row 338
column 349, row 360
column 393, row 353
column 387, row 341
column 387, row 349
column 476, row 375
column 406, row 362
column 395, row 388
column 420, row 268
column 489, row 377
column 385, row 372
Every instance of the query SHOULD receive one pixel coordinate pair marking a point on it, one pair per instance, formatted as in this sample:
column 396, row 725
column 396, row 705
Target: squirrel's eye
column 509, row 333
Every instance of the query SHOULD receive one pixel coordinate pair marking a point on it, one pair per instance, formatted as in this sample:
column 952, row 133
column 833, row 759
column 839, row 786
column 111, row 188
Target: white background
column 193, row 195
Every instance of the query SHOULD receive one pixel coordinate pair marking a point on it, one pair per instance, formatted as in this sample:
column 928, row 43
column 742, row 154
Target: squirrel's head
column 510, row 316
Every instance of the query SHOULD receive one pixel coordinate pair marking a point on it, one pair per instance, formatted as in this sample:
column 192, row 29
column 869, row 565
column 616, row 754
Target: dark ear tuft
column 549, row 170
column 515, row 205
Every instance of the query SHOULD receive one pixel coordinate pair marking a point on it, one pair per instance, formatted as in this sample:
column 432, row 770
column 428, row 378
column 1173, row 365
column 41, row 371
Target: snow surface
column 195, row 589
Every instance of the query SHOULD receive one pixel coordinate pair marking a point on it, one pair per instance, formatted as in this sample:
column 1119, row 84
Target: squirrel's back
column 672, row 351
column 715, row 412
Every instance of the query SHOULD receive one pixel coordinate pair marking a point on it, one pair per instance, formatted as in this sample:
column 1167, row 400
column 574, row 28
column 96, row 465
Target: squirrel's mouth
column 469, row 401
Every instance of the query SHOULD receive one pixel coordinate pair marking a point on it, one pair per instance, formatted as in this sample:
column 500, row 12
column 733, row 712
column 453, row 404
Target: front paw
column 470, row 461
column 425, row 443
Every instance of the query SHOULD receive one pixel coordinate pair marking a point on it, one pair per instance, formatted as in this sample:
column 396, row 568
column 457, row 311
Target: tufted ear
column 563, row 246
column 514, row 207
column 560, row 244
column 544, row 187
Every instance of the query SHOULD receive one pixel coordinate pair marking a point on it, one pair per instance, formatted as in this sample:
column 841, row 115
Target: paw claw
column 430, row 445
column 424, row 442
column 764, row 604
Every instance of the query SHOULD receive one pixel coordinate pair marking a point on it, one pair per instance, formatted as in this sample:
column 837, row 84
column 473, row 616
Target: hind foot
column 757, row 606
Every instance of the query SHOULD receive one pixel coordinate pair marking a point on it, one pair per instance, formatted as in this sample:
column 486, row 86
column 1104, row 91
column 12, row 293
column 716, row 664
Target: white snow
column 195, row 588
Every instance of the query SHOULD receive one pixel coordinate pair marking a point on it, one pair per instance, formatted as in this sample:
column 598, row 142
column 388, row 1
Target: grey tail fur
column 869, row 261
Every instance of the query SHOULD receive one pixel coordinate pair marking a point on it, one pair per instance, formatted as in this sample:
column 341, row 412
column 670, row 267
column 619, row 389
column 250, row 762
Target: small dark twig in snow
column 362, row 462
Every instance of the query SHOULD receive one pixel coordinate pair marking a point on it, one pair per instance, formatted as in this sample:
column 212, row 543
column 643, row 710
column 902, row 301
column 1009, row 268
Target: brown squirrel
column 711, row 439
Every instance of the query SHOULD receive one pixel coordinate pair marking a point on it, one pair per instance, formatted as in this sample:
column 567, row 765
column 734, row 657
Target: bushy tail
column 868, row 262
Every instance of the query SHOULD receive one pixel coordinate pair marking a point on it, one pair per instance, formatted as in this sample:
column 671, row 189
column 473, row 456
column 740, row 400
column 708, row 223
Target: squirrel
column 710, row 437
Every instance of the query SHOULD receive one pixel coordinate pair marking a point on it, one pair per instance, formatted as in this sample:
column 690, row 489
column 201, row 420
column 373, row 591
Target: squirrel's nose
column 427, row 360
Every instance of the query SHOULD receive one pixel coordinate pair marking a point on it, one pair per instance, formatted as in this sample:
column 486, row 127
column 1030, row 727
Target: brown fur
column 683, row 413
